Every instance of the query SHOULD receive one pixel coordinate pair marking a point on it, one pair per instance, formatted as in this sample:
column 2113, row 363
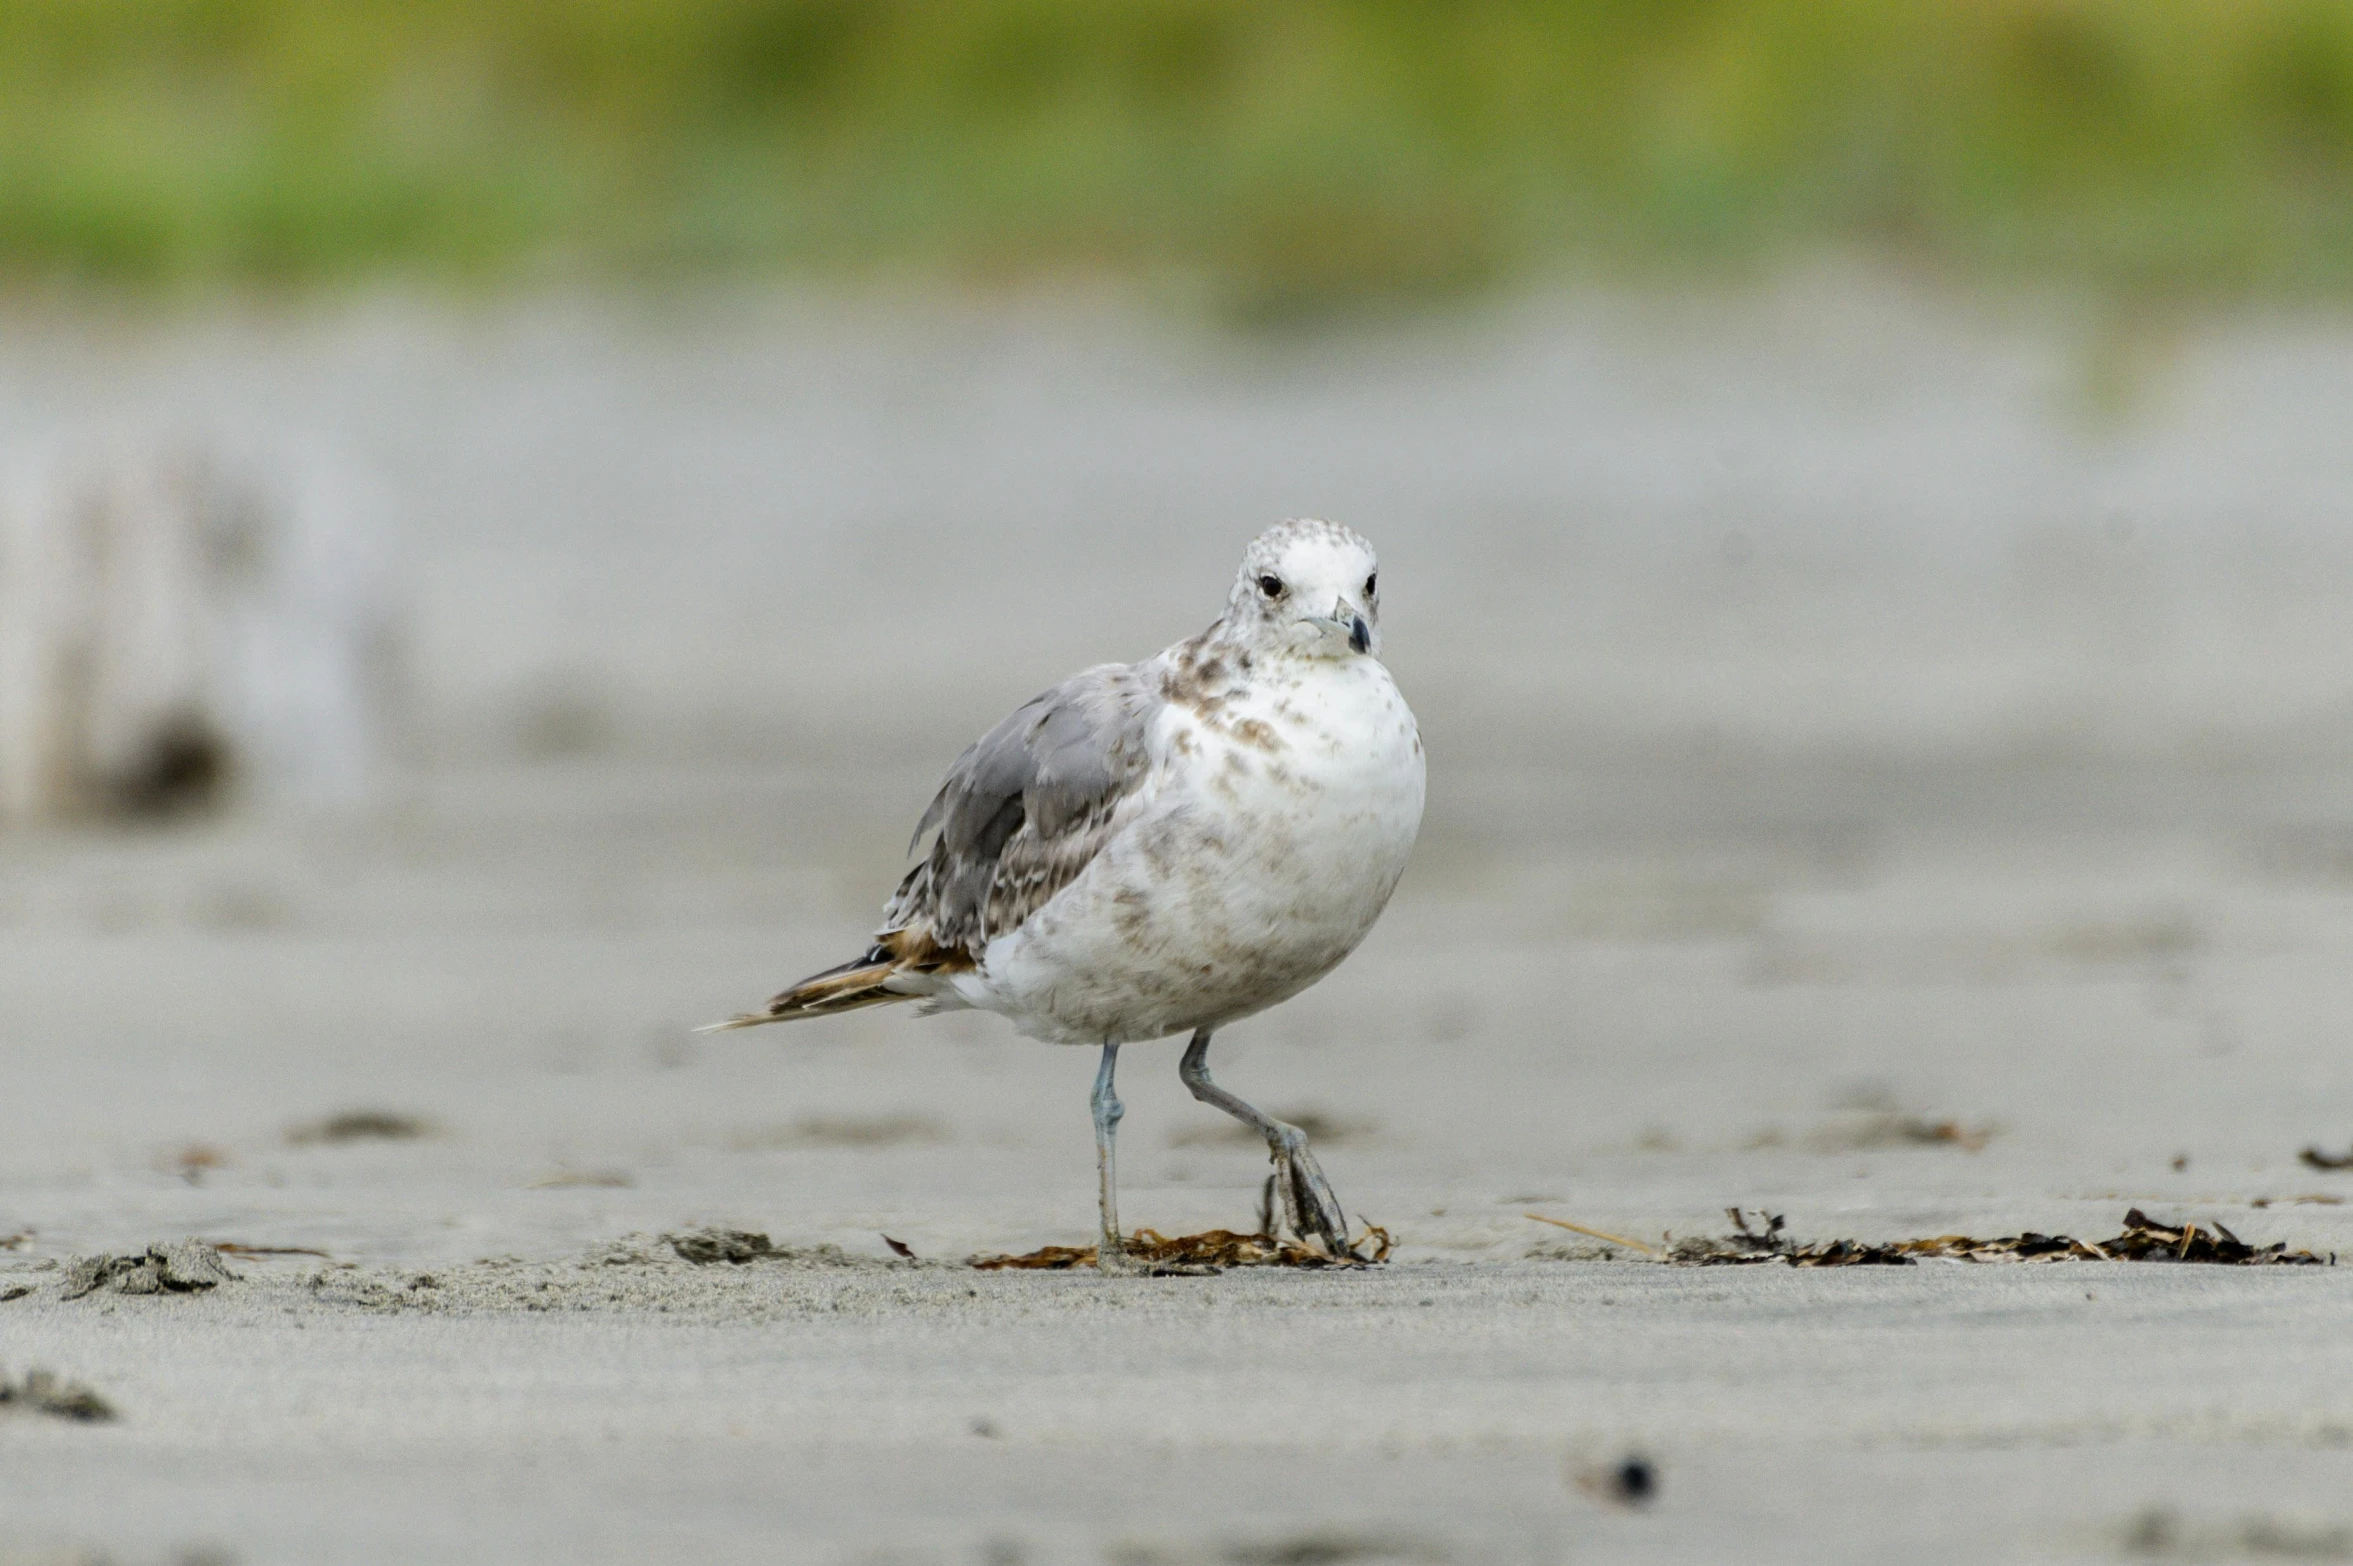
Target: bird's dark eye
column 1272, row 586
column 1372, row 584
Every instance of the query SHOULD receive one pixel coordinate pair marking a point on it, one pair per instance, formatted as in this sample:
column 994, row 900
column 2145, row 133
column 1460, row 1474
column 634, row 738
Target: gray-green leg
column 1308, row 1203
column 1111, row 1251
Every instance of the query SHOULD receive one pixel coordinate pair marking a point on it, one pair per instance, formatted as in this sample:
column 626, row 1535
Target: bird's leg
column 1308, row 1203
column 1111, row 1251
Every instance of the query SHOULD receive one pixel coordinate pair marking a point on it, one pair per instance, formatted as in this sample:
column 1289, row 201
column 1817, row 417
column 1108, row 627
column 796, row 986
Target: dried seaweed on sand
column 2143, row 1239
column 1212, row 1250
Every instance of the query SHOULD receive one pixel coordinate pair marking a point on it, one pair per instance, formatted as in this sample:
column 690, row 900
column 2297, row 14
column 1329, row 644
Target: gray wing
column 1022, row 812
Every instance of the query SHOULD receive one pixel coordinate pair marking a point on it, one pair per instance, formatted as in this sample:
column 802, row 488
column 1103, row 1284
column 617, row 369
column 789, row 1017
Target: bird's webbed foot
column 1309, row 1207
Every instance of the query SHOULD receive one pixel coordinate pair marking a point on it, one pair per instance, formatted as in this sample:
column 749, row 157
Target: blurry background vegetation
column 1285, row 154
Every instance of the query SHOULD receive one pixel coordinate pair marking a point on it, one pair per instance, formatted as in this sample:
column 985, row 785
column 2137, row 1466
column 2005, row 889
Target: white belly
column 1280, row 827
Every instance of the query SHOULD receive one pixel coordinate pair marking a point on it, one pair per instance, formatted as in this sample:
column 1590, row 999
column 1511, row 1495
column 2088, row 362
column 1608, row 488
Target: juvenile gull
column 1168, row 846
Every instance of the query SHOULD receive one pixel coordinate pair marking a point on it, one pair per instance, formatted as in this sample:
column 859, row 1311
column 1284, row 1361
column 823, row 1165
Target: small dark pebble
column 1632, row 1481
column 1635, row 1481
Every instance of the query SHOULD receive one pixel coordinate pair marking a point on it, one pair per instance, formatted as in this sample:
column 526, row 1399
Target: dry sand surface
column 1890, row 898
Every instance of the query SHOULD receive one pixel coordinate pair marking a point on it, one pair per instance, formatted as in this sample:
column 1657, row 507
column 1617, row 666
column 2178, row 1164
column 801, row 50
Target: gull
column 1166, row 847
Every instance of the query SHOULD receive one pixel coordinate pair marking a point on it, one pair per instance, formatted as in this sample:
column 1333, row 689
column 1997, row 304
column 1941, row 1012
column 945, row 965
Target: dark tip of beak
column 1360, row 635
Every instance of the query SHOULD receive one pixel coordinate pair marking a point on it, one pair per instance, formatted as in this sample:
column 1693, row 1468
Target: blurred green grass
column 1291, row 155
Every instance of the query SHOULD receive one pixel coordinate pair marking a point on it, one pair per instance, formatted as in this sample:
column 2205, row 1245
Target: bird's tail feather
column 861, row 982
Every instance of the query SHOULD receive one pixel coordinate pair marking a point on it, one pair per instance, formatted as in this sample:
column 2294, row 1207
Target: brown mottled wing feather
column 1020, row 815
column 1024, row 810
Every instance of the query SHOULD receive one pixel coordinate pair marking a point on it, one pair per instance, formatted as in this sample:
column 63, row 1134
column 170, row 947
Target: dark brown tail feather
column 846, row 988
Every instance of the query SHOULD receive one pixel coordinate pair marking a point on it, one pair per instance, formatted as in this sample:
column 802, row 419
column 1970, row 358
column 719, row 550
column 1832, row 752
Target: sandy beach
column 1882, row 798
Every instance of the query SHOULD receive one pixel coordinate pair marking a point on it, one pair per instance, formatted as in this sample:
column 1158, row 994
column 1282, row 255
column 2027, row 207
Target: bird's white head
column 1311, row 588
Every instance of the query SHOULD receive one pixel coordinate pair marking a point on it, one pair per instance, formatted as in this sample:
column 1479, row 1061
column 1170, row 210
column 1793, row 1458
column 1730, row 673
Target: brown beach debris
column 2320, row 1160
column 1600, row 1234
column 1888, row 1128
column 1969, row 1139
column 17, row 1241
column 1212, row 1250
column 1046, row 1258
column 360, row 1125
column 193, row 1162
column 2143, row 1239
column 40, row 1392
column 239, row 1248
column 1767, row 1241
column 190, row 1267
column 899, row 1247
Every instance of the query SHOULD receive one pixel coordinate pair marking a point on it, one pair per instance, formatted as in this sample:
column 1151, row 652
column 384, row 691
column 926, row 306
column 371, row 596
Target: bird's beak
column 1346, row 623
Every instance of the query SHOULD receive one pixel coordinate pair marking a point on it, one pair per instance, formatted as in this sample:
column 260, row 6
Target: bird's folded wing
column 1023, row 811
